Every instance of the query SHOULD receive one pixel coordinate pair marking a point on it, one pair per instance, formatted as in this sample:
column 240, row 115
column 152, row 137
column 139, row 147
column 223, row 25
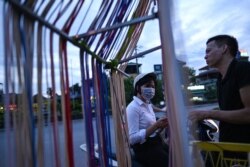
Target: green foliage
column 158, row 93
column 76, row 105
column 188, row 76
column 1, row 119
column 129, row 90
column 211, row 94
column 75, row 88
column 112, row 64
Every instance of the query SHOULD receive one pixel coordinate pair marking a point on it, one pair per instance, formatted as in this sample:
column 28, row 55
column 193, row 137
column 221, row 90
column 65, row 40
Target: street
column 78, row 139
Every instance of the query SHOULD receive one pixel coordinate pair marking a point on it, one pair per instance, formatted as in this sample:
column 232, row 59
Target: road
column 78, row 139
column 204, row 106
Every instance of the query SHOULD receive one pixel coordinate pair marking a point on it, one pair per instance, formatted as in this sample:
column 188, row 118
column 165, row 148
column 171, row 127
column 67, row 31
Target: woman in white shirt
column 143, row 126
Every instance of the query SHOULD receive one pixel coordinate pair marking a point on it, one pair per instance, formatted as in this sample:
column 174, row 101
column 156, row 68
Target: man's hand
column 198, row 115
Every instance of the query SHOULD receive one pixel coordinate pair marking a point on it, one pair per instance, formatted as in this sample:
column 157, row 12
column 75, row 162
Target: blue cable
column 107, row 116
column 28, row 88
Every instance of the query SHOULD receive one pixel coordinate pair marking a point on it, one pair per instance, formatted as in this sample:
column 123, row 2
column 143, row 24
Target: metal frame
column 74, row 39
column 116, row 26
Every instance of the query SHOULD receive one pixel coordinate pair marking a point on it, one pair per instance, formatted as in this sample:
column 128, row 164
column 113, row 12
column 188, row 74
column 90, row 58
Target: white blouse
column 140, row 116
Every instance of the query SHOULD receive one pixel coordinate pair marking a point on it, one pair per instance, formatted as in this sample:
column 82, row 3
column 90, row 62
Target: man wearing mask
column 143, row 126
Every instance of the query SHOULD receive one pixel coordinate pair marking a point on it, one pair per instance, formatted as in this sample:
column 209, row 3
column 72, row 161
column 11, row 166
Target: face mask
column 147, row 93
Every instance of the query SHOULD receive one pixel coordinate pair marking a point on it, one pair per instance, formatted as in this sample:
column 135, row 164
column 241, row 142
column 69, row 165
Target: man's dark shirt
column 237, row 76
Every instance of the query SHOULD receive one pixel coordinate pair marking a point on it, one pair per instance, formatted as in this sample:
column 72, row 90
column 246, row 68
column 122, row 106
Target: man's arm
column 241, row 116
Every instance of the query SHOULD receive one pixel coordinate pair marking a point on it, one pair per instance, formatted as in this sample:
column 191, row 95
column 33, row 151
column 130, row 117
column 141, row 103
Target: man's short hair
column 230, row 41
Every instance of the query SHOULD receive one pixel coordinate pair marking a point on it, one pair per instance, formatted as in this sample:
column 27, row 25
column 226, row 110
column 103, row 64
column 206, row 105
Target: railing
column 214, row 153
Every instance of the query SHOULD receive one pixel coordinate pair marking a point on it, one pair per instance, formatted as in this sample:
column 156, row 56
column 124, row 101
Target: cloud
column 194, row 22
column 200, row 20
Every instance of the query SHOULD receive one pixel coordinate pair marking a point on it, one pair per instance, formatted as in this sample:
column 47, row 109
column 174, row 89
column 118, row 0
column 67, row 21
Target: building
column 133, row 68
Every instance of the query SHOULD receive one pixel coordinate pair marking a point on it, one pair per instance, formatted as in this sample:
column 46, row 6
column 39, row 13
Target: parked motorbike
column 207, row 130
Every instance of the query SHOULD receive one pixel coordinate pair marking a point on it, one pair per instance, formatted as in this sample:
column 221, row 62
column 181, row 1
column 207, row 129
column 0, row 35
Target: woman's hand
column 159, row 124
column 162, row 123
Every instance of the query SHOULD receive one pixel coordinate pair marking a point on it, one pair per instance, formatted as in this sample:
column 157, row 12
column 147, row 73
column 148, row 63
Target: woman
column 143, row 127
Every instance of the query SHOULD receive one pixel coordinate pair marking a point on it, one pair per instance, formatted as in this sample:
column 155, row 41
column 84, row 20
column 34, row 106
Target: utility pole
column 1, row 94
column 73, row 94
column 136, row 59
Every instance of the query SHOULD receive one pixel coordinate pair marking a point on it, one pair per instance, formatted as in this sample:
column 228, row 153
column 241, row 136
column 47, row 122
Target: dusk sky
column 194, row 22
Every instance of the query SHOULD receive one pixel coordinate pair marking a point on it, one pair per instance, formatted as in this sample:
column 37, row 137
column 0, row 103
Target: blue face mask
column 147, row 93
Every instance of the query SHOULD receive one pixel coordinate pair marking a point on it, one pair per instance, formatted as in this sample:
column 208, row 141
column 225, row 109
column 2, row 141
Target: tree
column 76, row 88
column 129, row 90
column 159, row 96
column 50, row 92
column 188, row 76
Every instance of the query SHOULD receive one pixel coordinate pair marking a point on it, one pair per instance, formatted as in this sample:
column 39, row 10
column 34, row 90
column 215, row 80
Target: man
column 233, row 89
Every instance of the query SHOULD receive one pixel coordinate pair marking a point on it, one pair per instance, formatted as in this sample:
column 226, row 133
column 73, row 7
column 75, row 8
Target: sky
column 193, row 23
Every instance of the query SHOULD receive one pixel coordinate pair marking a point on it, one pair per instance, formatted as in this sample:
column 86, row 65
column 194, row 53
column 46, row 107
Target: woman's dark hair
column 142, row 81
column 230, row 41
